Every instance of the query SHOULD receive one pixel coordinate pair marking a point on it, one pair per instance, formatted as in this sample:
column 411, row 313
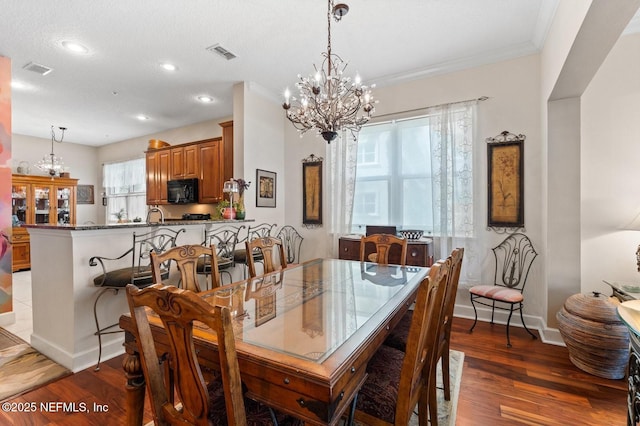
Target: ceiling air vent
column 40, row 69
column 216, row 48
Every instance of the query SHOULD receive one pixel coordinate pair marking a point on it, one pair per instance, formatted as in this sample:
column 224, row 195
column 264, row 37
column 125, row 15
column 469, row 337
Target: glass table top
column 310, row 310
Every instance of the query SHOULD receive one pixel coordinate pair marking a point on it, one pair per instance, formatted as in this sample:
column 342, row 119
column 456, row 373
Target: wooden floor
column 530, row 384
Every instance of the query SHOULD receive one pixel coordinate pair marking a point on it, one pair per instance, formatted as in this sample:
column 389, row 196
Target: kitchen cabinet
column 38, row 200
column 157, row 163
column 419, row 252
column 211, row 171
column 184, row 162
column 210, row 161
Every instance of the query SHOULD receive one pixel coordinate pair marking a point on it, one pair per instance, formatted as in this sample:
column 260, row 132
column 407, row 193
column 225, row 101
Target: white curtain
column 125, row 188
column 340, row 179
column 452, row 145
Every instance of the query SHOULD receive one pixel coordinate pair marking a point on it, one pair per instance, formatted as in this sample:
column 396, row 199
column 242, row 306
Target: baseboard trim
column 548, row 335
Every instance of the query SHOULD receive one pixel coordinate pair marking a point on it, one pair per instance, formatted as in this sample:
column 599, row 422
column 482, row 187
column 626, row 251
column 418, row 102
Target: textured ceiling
column 98, row 95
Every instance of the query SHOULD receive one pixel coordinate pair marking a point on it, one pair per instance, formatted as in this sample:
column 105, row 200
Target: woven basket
column 597, row 340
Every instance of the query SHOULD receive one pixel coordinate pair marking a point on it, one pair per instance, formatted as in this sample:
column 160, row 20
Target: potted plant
column 120, row 215
column 226, row 210
column 242, row 185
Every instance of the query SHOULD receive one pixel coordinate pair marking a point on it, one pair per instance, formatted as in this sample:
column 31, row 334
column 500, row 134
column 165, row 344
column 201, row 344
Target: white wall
column 610, row 197
column 263, row 143
column 513, row 88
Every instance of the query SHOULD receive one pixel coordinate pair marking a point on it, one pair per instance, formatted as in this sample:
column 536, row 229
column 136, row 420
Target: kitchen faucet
column 155, row 210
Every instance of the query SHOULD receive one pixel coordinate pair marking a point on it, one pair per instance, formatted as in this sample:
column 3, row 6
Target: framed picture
column 312, row 191
column 84, row 194
column 506, row 180
column 266, row 190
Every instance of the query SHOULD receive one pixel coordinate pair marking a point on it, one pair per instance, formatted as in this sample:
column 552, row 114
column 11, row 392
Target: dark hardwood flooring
column 530, row 384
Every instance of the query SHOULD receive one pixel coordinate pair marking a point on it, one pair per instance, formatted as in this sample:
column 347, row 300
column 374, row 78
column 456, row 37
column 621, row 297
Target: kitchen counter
column 167, row 222
column 63, row 292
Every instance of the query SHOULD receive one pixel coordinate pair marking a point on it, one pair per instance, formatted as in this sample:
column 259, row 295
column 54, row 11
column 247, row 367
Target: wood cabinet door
column 158, row 164
column 190, row 165
column 210, row 190
column 177, row 164
column 21, row 254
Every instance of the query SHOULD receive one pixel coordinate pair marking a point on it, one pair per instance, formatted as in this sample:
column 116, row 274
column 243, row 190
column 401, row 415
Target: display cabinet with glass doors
column 38, row 200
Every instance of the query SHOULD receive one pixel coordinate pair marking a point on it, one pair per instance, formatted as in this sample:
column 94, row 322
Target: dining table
column 303, row 335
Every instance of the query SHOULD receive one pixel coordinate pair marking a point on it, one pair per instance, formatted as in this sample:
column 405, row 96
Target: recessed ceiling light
column 168, row 67
column 74, row 47
column 205, row 99
column 142, row 117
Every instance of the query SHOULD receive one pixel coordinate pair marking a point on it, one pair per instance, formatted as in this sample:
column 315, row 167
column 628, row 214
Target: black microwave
column 182, row 191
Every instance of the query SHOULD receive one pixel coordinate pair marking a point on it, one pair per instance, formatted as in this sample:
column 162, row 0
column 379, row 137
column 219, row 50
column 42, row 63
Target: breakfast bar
column 63, row 289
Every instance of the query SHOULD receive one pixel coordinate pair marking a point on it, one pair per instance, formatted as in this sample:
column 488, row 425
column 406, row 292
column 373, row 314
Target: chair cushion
column 257, row 413
column 398, row 337
column 240, row 256
column 204, row 266
column 379, row 395
column 124, row 276
column 496, row 292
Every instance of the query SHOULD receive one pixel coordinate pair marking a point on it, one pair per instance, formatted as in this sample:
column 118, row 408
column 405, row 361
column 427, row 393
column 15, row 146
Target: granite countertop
column 168, row 222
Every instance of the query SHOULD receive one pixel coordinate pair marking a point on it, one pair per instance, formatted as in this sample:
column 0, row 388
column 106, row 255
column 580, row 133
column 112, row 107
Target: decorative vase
column 229, row 213
column 240, row 214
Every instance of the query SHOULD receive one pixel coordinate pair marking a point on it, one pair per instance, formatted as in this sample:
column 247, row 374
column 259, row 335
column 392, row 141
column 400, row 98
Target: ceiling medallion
column 328, row 101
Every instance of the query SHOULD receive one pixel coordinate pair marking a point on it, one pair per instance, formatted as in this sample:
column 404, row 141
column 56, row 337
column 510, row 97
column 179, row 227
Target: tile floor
column 23, row 327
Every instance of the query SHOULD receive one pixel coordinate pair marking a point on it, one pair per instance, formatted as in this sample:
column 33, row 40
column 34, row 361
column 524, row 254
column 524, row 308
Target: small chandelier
column 329, row 101
column 52, row 164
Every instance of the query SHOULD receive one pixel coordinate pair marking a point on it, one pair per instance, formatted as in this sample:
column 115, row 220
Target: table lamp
column 230, row 187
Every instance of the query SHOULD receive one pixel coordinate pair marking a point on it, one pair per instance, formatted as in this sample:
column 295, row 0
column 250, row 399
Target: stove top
column 196, row 216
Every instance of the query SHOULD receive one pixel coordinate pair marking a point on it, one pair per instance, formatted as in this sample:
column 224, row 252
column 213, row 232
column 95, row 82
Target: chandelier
column 328, row 101
column 52, row 164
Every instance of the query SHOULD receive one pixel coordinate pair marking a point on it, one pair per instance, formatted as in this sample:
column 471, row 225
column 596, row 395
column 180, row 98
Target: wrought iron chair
column 292, row 241
column 266, row 246
column 178, row 370
column 253, row 232
column 225, row 239
column 383, row 243
column 187, row 258
column 514, row 257
column 397, row 380
column 138, row 273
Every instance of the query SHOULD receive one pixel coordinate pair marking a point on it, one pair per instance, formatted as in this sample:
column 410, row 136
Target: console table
column 419, row 252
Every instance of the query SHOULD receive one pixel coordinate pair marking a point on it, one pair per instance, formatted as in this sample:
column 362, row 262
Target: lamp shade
column 230, row 186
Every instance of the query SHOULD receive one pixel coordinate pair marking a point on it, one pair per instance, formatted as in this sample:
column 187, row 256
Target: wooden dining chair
column 187, row 258
column 398, row 380
column 178, row 373
column 398, row 336
column 271, row 252
column 257, row 231
column 225, row 238
column 383, row 244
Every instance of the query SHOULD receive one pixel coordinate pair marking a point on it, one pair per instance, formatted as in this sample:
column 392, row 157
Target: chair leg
column 525, row 325
column 493, row 310
column 508, row 323
column 446, row 383
column 352, row 411
column 433, row 399
column 475, row 312
column 100, row 331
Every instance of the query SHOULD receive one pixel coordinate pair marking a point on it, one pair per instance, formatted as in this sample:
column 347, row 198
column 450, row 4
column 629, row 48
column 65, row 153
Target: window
column 401, row 163
column 125, row 189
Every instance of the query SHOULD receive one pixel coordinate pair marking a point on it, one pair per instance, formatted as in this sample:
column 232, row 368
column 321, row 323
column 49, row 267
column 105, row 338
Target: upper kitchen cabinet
column 210, row 161
column 184, row 162
column 211, row 171
column 158, row 165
